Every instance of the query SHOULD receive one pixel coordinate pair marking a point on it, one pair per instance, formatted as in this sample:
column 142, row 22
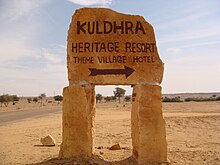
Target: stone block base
column 78, row 118
column 147, row 125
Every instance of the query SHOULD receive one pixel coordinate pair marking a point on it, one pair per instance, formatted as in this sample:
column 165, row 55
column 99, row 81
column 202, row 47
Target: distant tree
column 218, row 98
column 113, row 98
column 119, row 92
column 107, row 99
column 1, row 100
column 29, row 100
column 41, row 97
column 175, row 99
column 5, row 99
column 98, row 97
column 127, row 98
column 200, row 99
column 35, row 99
column 58, row 98
column 213, row 95
column 14, row 98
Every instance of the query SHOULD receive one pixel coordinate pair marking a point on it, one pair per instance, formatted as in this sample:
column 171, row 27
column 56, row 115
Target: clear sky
column 33, row 36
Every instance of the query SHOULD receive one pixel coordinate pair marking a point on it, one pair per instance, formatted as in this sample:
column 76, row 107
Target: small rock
column 115, row 147
column 48, row 141
column 101, row 153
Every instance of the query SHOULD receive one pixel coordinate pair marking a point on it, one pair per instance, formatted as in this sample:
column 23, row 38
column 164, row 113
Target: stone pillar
column 78, row 118
column 147, row 125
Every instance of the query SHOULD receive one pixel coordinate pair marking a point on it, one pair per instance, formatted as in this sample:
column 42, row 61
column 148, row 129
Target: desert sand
column 193, row 133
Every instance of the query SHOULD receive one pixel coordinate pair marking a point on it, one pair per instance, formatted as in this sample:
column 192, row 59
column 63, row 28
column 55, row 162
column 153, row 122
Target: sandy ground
column 193, row 136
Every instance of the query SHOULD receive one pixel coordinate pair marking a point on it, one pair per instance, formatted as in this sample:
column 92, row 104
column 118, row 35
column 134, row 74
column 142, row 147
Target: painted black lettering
column 102, row 47
column 139, row 27
column 110, row 47
column 148, row 59
column 133, row 47
column 139, row 47
column 152, row 46
column 152, row 59
column 91, row 28
column 112, row 59
column 107, row 27
column 129, row 27
column 92, row 47
column 83, row 60
column 100, row 59
column 97, row 28
column 74, row 47
column 116, row 47
column 80, row 47
column 119, row 27
column 143, row 59
column 80, row 27
column 135, row 58
column 97, row 46
column 127, row 47
column 86, row 47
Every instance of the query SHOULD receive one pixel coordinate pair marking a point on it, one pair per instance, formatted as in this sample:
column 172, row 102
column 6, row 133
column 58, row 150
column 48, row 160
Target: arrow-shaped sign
column 126, row 71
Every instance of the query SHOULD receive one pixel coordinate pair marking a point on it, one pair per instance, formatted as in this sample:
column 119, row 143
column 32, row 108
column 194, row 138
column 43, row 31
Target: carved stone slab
column 107, row 48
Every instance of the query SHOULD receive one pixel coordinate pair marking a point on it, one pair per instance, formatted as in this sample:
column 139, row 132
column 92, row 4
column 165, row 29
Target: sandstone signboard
column 109, row 48
column 106, row 47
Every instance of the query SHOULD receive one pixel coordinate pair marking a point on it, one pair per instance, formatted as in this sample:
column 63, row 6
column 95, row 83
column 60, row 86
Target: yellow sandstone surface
column 148, row 125
column 78, row 114
column 102, row 39
column 110, row 48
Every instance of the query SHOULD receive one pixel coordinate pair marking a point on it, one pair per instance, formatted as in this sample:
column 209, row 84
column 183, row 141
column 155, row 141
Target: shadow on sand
column 94, row 160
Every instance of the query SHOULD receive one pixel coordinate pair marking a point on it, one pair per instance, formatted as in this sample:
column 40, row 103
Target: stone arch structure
column 110, row 48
